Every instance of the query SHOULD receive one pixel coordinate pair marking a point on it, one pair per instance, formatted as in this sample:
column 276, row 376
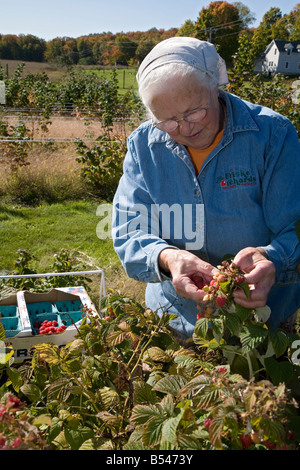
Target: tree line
column 221, row 23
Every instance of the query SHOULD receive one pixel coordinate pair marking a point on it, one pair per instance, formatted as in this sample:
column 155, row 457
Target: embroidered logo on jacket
column 234, row 178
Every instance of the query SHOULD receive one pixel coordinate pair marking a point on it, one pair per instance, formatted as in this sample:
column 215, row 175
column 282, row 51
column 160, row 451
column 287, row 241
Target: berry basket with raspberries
column 47, row 318
column 48, row 327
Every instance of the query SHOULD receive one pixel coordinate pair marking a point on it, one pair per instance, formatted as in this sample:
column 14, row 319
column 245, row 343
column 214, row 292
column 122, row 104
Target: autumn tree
column 221, row 23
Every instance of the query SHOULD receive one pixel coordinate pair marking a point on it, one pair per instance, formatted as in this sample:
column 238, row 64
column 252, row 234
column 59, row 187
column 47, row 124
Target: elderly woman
column 208, row 175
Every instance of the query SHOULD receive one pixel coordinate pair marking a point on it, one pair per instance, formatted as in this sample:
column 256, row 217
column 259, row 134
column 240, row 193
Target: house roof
column 281, row 45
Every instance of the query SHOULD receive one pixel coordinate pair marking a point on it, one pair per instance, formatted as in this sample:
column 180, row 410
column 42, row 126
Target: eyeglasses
column 170, row 125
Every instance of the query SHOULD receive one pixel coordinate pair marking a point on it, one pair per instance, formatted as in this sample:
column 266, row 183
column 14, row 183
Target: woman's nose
column 185, row 126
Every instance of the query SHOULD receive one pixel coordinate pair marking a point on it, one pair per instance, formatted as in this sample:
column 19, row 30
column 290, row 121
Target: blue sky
column 51, row 18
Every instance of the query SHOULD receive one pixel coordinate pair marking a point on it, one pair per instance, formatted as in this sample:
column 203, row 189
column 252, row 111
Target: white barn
column 280, row 57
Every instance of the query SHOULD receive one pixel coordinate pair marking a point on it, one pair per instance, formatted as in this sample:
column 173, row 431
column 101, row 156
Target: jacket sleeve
column 281, row 201
column 135, row 229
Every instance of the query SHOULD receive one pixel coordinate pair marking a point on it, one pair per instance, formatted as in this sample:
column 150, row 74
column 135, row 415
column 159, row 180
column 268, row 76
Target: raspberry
column 239, row 279
column 269, row 445
column 220, row 301
column 16, row 442
column 222, row 370
column 48, row 327
column 246, row 441
column 2, row 441
column 207, row 422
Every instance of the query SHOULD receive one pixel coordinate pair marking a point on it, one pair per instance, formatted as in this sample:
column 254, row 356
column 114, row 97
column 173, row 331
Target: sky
column 73, row 18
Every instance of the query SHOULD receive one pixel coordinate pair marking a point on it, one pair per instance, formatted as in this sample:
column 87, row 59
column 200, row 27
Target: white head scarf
column 200, row 54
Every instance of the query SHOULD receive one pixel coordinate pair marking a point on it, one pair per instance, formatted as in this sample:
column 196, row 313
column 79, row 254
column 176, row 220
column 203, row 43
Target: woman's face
column 175, row 99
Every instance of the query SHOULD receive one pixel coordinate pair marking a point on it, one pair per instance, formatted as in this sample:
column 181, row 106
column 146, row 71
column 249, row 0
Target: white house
column 280, row 57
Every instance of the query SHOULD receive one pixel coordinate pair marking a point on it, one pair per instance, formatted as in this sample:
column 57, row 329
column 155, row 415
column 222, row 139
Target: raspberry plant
column 126, row 383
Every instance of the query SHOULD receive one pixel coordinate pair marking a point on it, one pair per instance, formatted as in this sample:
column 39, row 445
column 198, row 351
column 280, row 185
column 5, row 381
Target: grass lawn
column 46, row 229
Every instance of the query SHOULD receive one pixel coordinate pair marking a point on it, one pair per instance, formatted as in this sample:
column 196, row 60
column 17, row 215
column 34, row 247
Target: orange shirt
column 198, row 156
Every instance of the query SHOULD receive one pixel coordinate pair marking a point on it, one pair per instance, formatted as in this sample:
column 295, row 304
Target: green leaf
column 153, row 431
column 245, row 287
column 195, row 385
column 242, row 312
column 159, row 355
column 187, row 362
column 76, row 437
column 109, row 397
column 170, row 384
column 232, row 322
column 252, row 336
column 279, row 340
column 32, row 392
column 143, row 413
column 279, row 371
column 143, row 393
column 201, row 328
column 60, row 389
column 209, row 396
column 262, row 314
column 225, row 286
column 169, row 428
column 15, row 378
column 218, row 328
column 76, row 346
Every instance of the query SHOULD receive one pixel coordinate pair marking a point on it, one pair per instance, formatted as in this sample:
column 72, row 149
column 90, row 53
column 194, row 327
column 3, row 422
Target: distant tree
column 266, row 30
column 246, row 16
column 294, row 23
column 9, row 47
column 126, row 49
column 188, row 29
column 143, row 49
column 221, row 23
column 32, row 48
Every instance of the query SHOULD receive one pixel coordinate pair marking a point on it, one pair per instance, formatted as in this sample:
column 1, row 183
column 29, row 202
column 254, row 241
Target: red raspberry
column 207, row 422
column 246, row 441
column 54, row 323
column 220, row 301
column 2, row 441
column 269, row 445
column 16, row 442
column 222, row 370
column 239, row 279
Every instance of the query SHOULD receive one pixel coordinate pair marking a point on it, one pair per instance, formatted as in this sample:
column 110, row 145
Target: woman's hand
column 259, row 274
column 189, row 273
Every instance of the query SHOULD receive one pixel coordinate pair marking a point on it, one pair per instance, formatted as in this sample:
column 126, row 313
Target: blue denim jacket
column 246, row 194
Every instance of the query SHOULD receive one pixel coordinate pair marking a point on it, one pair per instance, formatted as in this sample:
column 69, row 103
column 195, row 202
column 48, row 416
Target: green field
column 47, row 229
column 126, row 76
